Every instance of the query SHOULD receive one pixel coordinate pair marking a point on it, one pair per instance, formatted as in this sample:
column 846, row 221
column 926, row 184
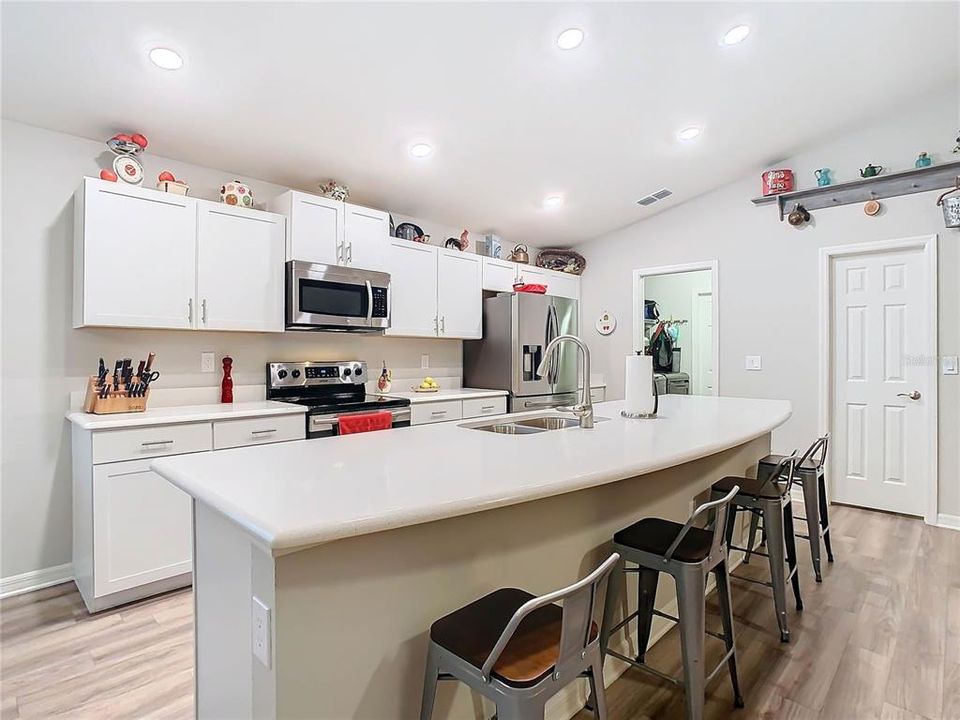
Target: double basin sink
column 528, row 425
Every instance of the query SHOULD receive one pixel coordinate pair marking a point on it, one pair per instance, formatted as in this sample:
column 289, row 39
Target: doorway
column 675, row 318
column 878, row 389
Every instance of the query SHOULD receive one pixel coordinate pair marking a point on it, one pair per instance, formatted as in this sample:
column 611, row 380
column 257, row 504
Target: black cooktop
column 337, row 406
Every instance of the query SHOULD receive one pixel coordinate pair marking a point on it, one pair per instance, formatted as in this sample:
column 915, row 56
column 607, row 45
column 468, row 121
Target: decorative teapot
column 871, row 171
column 520, row 254
column 823, row 176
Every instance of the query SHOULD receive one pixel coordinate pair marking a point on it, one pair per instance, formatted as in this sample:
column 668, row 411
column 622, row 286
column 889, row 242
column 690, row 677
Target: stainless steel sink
column 527, row 425
column 550, row 422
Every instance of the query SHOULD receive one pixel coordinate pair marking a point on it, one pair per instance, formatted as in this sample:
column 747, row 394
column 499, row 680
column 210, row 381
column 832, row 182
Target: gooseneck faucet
column 584, row 409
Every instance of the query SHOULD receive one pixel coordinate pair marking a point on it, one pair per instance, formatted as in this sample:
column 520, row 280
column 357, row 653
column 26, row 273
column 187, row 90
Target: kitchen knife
column 140, row 370
column 150, row 359
column 101, row 373
column 116, row 375
column 126, row 370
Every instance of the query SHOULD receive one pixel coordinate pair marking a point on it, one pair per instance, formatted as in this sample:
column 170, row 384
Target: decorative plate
column 128, row 169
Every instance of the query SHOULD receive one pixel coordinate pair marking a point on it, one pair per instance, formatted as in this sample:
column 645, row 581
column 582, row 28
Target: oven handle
column 369, row 301
column 328, row 422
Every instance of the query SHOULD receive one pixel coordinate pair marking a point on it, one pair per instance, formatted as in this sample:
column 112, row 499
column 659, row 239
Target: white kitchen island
column 357, row 544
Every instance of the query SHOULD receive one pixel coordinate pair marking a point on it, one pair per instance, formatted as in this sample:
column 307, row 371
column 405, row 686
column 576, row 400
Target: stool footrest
column 667, row 616
column 723, row 661
column 647, row 668
column 745, row 550
column 753, row 580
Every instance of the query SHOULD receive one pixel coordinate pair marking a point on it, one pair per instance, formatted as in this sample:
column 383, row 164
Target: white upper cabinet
column 150, row 259
column 240, row 255
column 561, row 284
column 413, row 289
column 134, row 257
column 366, row 238
column 459, row 294
column 499, row 275
column 315, row 226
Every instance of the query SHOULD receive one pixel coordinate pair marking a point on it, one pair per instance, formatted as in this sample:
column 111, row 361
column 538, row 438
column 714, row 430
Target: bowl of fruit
column 428, row 384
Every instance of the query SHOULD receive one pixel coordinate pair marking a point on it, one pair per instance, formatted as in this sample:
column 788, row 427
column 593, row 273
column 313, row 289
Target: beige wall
column 44, row 358
column 768, row 271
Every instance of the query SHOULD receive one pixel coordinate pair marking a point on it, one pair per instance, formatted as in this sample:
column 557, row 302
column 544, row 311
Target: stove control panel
column 308, row 374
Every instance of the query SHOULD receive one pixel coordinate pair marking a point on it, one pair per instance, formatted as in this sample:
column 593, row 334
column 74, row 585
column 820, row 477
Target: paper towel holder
column 656, row 405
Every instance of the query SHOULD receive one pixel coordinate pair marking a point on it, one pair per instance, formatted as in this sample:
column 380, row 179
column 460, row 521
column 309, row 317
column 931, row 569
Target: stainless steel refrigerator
column 516, row 330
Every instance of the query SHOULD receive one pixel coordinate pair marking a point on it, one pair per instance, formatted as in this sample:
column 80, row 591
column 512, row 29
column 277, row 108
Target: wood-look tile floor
column 879, row 639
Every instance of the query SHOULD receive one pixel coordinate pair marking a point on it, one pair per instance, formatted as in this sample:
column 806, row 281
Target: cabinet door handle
column 350, row 253
column 263, row 432
column 436, row 325
column 203, row 311
column 157, row 442
column 443, row 325
column 190, row 310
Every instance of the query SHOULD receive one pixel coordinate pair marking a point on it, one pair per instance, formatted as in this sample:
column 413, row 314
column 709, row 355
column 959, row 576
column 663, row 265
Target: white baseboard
column 35, row 580
column 948, row 521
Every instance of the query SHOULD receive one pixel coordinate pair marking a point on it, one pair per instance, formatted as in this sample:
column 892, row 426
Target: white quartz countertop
column 297, row 494
column 184, row 413
column 451, row 394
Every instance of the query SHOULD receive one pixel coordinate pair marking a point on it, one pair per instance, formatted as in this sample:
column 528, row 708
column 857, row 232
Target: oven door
column 329, row 425
column 334, row 298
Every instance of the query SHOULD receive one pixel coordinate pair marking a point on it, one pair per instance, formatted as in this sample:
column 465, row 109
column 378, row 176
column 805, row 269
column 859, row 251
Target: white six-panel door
column 880, row 331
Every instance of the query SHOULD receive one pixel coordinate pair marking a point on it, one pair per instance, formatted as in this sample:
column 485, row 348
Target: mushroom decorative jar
column 236, row 193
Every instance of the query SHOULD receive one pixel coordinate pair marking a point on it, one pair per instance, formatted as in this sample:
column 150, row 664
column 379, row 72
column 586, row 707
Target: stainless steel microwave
column 333, row 298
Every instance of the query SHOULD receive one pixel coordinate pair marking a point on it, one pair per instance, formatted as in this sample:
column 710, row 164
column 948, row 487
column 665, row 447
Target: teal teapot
column 871, row 171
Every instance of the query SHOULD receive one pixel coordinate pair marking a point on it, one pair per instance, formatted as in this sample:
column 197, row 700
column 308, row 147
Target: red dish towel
column 366, row 422
column 535, row 288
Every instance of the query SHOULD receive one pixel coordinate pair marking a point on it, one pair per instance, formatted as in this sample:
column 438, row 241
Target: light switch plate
column 260, row 631
column 208, row 362
column 950, row 365
column 424, row 362
column 753, row 362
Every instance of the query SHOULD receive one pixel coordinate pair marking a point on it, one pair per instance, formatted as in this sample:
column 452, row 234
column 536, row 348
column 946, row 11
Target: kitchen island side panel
column 229, row 570
column 352, row 616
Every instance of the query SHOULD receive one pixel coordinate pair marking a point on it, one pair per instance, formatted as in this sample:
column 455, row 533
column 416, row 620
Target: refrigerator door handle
column 553, row 330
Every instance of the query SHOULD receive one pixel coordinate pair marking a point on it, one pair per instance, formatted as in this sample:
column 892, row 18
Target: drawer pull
column 157, row 442
column 487, row 407
column 437, row 413
column 263, row 432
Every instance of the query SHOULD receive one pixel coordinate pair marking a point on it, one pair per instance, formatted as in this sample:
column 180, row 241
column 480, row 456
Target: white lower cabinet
column 424, row 413
column 133, row 530
column 141, row 529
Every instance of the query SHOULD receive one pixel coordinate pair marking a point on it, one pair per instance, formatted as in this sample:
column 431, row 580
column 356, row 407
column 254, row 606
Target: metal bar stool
column 520, row 650
column 810, row 476
column 770, row 497
column 689, row 554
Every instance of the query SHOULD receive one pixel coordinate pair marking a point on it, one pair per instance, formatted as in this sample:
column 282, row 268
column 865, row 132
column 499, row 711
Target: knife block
column 116, row 401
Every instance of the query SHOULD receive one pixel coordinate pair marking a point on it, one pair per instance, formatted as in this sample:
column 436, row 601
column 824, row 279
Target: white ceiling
column 297, row 93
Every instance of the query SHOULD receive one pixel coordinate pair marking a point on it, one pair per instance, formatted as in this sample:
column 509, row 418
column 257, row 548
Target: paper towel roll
column 639, row 384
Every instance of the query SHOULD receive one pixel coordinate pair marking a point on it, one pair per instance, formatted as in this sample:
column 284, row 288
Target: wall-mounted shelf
column 935, row 177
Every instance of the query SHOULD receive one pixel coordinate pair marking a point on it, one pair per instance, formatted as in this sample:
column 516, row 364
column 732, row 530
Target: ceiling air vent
column 655, row 197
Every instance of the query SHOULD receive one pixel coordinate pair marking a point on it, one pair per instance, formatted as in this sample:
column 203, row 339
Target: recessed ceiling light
column 166, row 59
column 736, row 34
column 570, row 39
column 553, row 201
column 421, row 150
column 689, row 133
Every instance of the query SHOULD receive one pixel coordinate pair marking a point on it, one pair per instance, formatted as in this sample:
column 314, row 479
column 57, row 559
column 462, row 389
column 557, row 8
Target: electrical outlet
column 207, row 362
column 424, row 362
column 753, row 362
column 260, row 631
column 950, row 365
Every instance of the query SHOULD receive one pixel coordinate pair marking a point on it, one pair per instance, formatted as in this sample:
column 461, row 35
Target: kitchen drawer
column 258, row 431
column 154, row 441
column 441, row 411
column 477, row 407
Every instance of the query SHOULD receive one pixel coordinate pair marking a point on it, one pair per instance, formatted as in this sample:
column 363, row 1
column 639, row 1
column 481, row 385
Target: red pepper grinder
column 226, row 387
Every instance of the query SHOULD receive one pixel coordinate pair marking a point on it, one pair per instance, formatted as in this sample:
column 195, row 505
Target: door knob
column 913, row 395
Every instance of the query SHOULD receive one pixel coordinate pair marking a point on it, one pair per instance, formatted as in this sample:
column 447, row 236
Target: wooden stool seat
column 473, row 630
column 655, row 535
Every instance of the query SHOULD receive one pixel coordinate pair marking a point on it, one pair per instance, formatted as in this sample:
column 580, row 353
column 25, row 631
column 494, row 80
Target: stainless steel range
column 330, row 390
